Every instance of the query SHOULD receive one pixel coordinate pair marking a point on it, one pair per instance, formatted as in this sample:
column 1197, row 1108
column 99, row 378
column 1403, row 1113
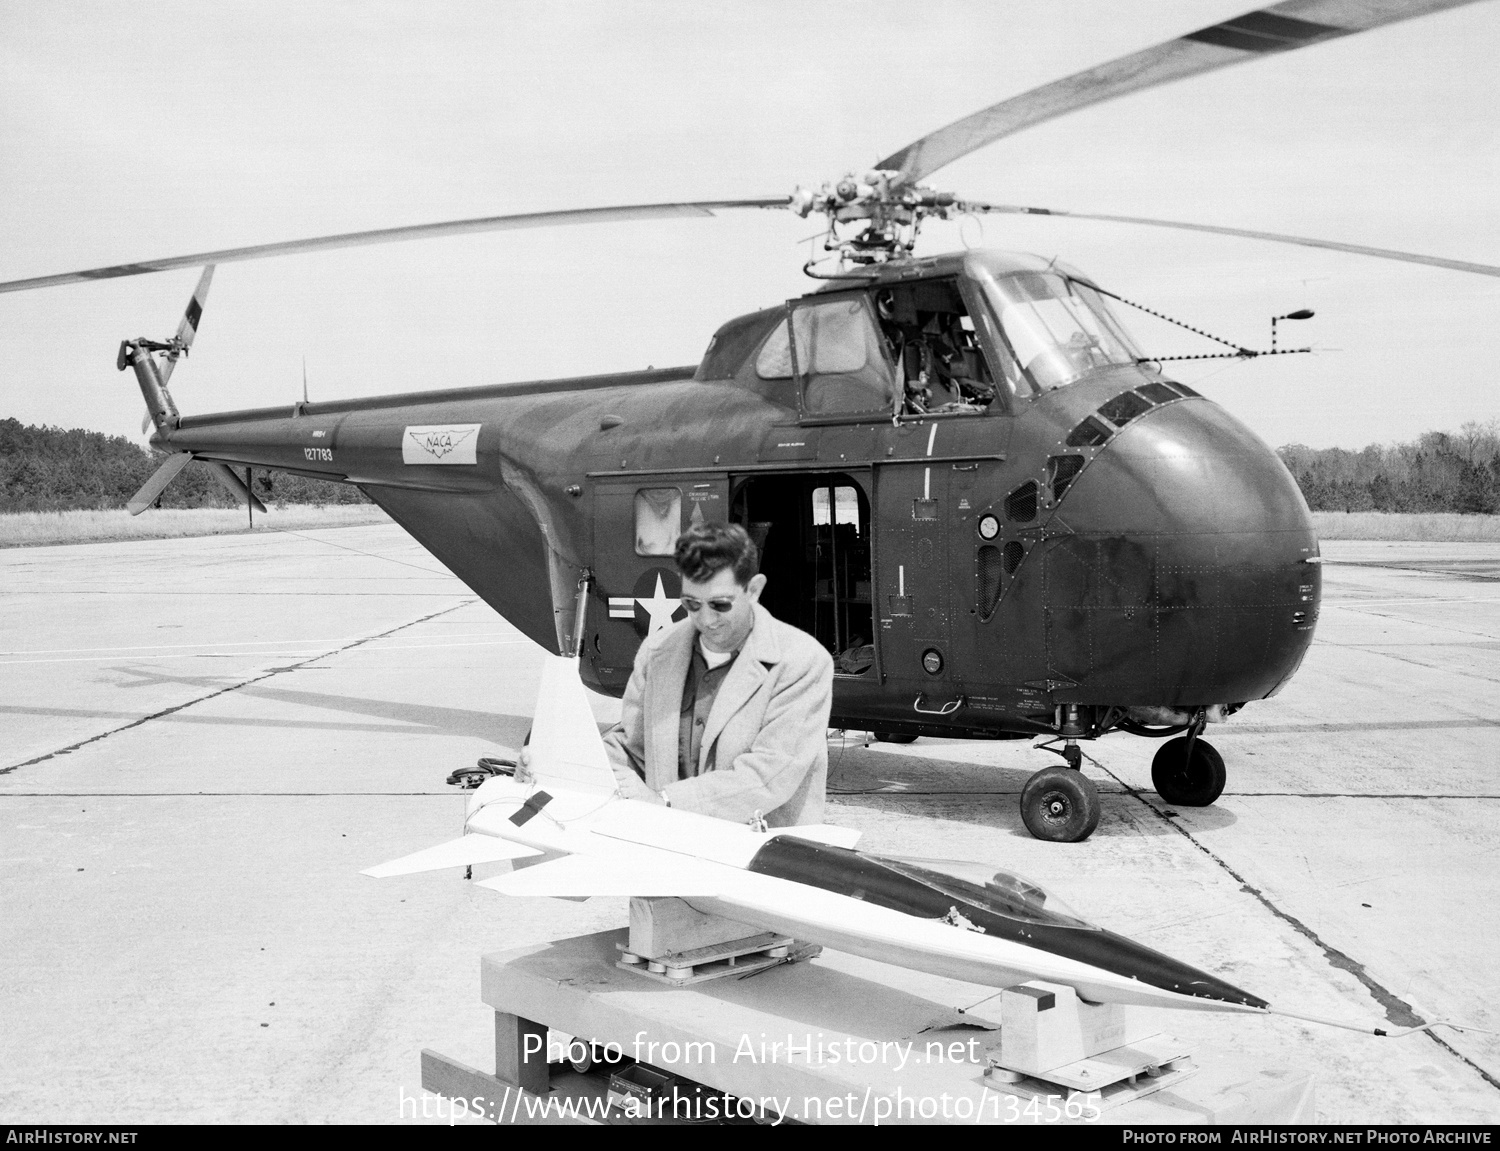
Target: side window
column 658, row 520
column 840, row 358
column 775, row 359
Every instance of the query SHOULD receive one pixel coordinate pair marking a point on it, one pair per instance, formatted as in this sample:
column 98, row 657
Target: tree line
column 1436, row 472
column 47, row 469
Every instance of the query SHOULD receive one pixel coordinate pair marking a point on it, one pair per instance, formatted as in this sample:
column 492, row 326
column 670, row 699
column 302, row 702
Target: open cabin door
column 637, row 590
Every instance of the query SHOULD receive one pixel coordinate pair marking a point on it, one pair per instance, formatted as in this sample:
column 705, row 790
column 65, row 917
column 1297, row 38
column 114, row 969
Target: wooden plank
column 485, row 1095
column 521, row 1052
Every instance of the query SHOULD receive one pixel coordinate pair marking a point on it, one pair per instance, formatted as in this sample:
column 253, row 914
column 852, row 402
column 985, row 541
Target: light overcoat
column 764, row 746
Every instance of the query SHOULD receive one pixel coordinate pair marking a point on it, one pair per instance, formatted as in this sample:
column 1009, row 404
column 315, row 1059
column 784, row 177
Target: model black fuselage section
column 986, row 522
column 1003, row 908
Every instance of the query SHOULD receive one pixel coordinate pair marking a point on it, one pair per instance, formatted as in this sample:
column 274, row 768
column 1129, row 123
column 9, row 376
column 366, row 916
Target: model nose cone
column 1176, row 566
column 1127, row 957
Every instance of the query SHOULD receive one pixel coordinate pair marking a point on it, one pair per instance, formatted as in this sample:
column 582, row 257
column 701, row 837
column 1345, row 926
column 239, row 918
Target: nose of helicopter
column 1181, row 573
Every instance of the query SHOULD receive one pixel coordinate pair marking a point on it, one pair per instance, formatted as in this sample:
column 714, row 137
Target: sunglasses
column 721, row 606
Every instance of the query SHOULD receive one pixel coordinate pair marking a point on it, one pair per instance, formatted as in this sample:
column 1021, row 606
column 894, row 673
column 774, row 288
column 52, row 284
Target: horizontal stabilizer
column 586, row 875
column 158, row 482
column 455, row 853
column 234, row 485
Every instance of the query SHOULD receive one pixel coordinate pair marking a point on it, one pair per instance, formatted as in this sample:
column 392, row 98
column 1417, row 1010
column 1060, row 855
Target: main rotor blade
column 1245, row 233
column 1279, row 28
column 392, row 235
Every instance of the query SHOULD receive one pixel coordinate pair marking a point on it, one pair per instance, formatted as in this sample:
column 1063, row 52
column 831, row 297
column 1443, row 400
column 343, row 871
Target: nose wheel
column 1060, row 804
column 1188, row 772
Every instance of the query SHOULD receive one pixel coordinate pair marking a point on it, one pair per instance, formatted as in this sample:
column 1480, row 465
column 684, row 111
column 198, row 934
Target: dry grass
column 35, row 529
column 1437, row 527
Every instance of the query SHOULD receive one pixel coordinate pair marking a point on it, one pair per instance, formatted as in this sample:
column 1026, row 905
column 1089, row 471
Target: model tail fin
column 565, row 746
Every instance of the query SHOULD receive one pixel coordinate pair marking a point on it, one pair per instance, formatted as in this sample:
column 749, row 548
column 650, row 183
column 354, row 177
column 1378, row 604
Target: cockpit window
column 1059, row 328
column 937, row 350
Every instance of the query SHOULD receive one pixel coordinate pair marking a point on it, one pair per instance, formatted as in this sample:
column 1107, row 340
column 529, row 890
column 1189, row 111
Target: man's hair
column 706, row 549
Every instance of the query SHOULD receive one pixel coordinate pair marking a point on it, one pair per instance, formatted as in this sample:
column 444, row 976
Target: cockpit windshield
column 1058, row 327
column 1000, row 892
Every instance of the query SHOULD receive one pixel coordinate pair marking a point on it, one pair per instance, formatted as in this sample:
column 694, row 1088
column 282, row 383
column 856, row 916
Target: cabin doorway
column 813, row 532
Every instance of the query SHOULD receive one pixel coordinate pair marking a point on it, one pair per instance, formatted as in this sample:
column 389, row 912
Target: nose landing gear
column 1061, row 804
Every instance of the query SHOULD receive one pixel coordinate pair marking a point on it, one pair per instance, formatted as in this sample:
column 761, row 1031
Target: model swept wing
column 617, row 874
column 393, row 235
column 1245, row 233
column 1279, row 28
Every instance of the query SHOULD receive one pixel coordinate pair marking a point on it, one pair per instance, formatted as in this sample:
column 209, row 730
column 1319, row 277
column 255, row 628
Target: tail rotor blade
column 188, row 329
column 235, row 486
column 158, row 482
column 146, row 423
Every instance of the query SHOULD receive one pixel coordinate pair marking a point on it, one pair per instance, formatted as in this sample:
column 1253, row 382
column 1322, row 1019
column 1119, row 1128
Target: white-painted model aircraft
column 967, row 921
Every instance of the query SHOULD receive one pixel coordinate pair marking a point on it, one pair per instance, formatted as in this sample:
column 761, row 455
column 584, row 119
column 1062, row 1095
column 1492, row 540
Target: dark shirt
column 699, row 689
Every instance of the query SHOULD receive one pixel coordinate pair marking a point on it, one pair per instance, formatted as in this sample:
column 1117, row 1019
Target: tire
column 1185, row 784
column 892, row 737
column 1060, row 805
column 592, row 1057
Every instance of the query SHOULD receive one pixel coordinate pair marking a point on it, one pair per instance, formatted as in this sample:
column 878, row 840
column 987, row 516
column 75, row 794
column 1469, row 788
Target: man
column 726, row 713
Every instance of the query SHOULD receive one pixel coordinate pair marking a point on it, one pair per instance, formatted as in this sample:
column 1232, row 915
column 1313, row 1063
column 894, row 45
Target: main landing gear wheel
column 892, row 737
column 1060, row 804
column 1184, row 783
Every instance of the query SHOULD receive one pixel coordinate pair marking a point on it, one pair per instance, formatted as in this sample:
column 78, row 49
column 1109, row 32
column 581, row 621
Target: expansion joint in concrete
column 1397, row 1010
column 145, row 719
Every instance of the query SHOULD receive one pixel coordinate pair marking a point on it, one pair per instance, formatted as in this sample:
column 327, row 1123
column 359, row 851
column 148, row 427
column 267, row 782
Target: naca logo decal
column 440, row 444
column 656, row 603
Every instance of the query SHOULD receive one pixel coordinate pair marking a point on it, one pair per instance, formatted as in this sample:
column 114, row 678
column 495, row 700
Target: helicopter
column 966, row 479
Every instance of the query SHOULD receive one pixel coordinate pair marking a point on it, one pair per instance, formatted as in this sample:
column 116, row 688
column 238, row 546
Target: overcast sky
column 147, row 129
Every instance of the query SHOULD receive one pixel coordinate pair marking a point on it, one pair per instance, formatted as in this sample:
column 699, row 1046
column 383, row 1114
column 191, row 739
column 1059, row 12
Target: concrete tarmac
column 203, row 741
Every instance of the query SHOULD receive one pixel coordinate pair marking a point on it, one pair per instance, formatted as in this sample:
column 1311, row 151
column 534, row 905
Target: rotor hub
column 874, row 217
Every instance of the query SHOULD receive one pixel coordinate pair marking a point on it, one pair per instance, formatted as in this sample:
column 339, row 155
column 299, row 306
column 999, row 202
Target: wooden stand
column 841, row 1040
column 1054, row 1044
column 674, row 944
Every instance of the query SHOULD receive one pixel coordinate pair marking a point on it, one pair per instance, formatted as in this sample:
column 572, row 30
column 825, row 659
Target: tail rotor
column 152, row 374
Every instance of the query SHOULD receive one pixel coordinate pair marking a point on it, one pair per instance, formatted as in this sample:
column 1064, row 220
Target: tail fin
column 565, row 746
